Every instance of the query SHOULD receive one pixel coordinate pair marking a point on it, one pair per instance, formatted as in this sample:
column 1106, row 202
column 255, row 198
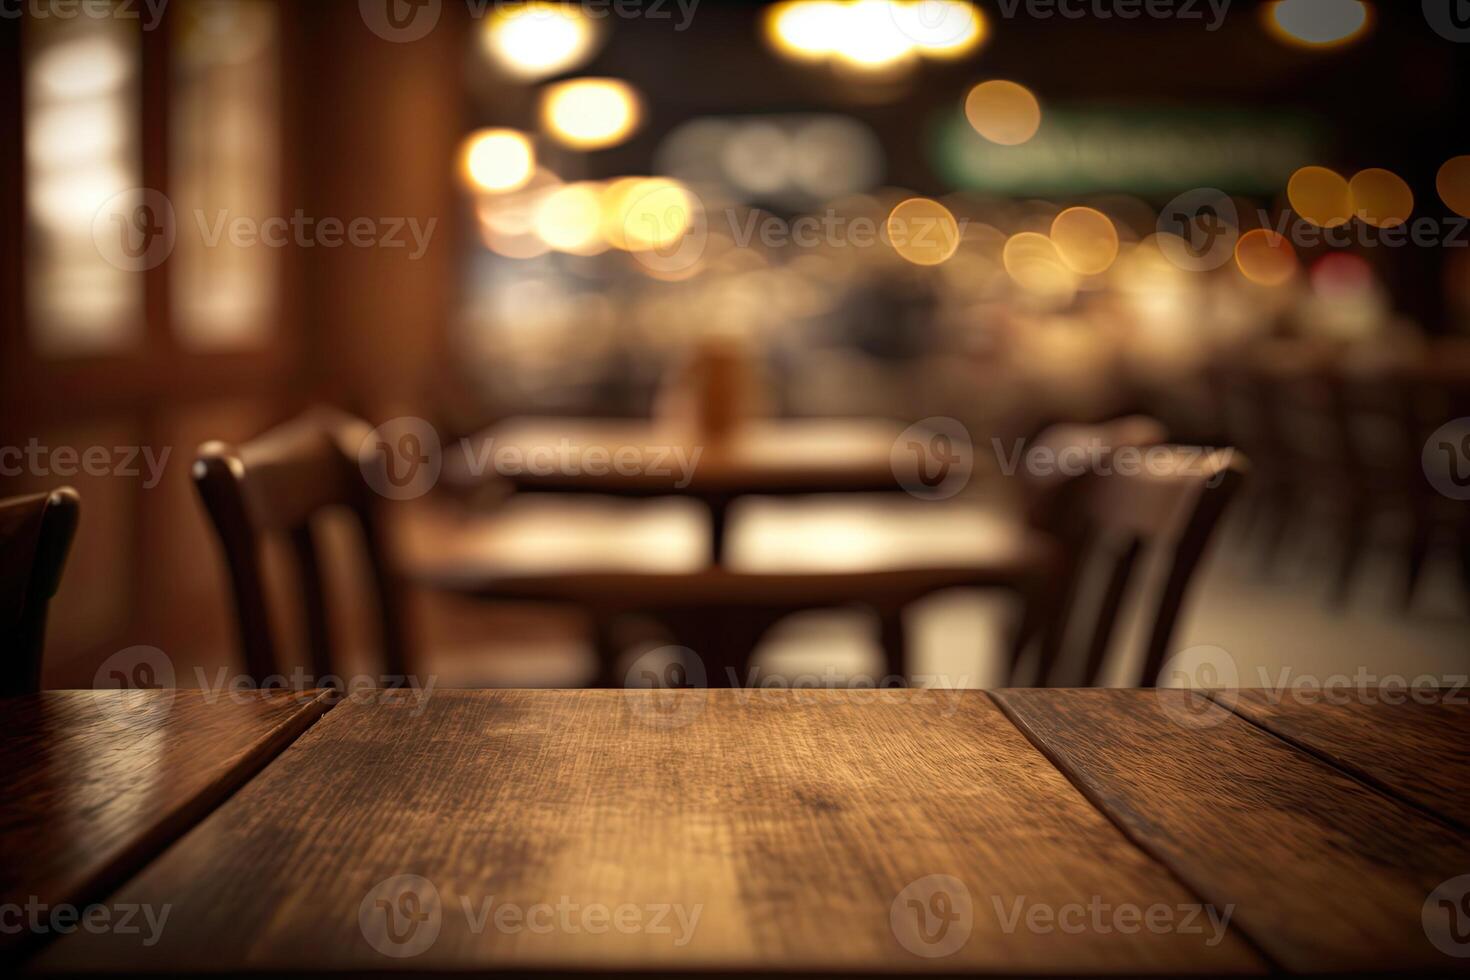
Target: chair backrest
column 280, row 484
column 1046, row 495
column 35, row 536
column 1161, row 503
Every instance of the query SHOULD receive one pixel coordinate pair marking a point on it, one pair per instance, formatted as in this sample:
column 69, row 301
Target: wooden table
column 833, row 833
column 99, row 782
column 647, row 459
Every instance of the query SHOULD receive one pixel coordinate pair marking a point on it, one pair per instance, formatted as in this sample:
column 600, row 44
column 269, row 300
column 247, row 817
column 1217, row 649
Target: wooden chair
column 280, row 484
column 1112, row 525
column 35, row 536
column 1433, row 392
column 723, row 613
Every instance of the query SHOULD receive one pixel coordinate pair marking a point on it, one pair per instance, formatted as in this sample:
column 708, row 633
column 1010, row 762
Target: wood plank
column 99, row 782
column 1410, row 744
column 785, row 831
column 1325, row 873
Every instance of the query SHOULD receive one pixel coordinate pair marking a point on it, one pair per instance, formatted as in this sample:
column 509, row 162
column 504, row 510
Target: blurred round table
column 629, row 458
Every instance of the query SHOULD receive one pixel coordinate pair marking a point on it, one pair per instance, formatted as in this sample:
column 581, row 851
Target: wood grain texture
column 1409, row 744
column 792, row 821
column 1326, row 873
column 98, row 782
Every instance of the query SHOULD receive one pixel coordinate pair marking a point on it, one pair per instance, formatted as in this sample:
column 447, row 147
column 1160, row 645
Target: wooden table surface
column 640, row 458
column 98, row 782
column 739, row 832
column 633, row 458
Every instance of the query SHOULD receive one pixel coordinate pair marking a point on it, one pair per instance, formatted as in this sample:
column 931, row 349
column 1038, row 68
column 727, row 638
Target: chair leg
column 1465, row 558
column 895, row 654
column 1277, row 520
column 1419, row 540
column 1027, row 627
column 1354, row 543
column 609, row 653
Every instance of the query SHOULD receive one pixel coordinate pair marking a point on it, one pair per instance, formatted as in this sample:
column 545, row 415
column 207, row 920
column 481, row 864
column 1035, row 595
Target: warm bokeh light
column 874, row 34
column 1321, row 196
column 1319, row 23
column 591, row 113
column 539, row 39
column 1265, row 258
column 1086, row 240
column 941, row 29
column 1342, row 276
column 507, row 220
column 569, row 219
column 1381, row 198
column 497, row 160
column 1032, row 261
column 869, row 38
column 806, row 30
column 1003, row 112
column 1453, row 183
column 923, row 231
column 82, row 68
column 641, row 213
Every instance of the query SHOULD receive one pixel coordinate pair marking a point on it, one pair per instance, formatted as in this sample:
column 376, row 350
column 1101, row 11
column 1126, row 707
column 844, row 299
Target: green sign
column 1138, row 151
